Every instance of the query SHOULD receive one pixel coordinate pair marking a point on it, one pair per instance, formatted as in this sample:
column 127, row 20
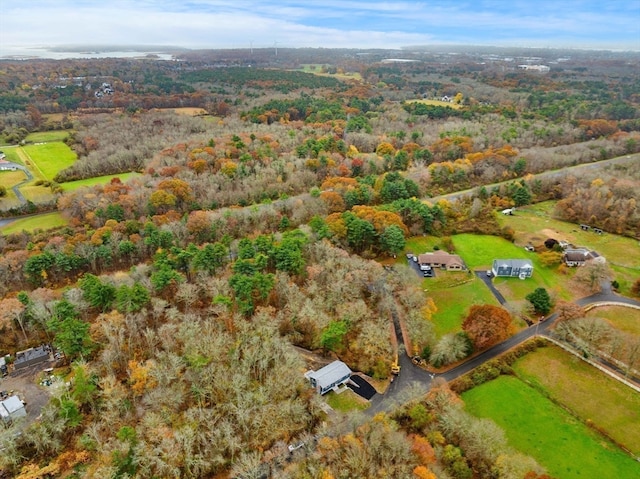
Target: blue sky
column 602, row 24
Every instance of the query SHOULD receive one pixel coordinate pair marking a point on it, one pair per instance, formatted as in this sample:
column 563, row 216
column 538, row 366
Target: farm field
column 536, row 426
column 624, row 319
column 98, row 180
column 608, row 404
column 50, row 158
column 33, row 223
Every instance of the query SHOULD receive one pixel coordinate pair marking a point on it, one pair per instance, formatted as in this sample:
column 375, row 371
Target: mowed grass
column 46, row 136
column 536, row 426
column 50, row 158
column 590, row 394
column 453, row 302
column 346, row 401
column 32, row 223
column 98, row 180
column 624, row 319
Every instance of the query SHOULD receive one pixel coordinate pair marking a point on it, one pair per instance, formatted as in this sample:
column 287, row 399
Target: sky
column 585, row 24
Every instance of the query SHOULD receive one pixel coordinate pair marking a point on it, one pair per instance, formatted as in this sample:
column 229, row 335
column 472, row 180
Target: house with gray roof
column 512, row 268
column 330, row 377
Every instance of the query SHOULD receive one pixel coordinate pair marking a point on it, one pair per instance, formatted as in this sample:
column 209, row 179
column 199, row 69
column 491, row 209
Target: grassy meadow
column 32, row 223
column 591, row 395
column 621, row 318
column 50, row 158
column 98, row 180
column 538, row 427
column 46, row 136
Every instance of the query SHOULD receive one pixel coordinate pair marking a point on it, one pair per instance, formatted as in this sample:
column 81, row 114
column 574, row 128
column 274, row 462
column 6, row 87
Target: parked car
column 489, row 273
column 425, row 267
column 415, row 259
column 428, row 273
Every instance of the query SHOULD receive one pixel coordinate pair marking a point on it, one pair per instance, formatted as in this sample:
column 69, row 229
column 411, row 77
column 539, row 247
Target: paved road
column 414, row 381
column 16, row 188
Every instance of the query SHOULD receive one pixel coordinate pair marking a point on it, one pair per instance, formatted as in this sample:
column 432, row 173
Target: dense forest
column 263, row 223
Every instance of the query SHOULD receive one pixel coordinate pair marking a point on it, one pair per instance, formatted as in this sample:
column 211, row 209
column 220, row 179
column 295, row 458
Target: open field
column 608, row 404
column 316, row 69
column 33, row 223
column 533, row 424
column 46, row 136
column 624, row 319
column 50, row 158
column 455, row 106
column 98, row 180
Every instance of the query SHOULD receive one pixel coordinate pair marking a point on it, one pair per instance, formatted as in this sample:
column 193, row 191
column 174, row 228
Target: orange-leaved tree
column 487, row 325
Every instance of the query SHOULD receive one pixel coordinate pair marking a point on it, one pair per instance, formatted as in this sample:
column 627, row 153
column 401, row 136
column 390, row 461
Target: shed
column 330, row 377
column 12, row 408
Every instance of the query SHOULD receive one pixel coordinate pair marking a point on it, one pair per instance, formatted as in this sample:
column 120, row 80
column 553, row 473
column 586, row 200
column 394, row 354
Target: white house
column 516, row 268
column 330, row 377
column 12, row 408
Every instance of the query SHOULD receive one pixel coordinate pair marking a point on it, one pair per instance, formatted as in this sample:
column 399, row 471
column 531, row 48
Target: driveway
column 487, row 280
column 361, row 387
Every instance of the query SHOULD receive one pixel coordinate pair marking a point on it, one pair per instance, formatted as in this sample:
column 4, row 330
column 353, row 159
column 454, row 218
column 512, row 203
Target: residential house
column 514, row 268
column 576, row 257
column 31, row 356
column 12, row 408
column 330, row 377
column 442, row 259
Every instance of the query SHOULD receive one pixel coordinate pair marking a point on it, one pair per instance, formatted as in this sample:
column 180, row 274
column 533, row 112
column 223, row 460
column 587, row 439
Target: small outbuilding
column 12, row 408
column 31, row 356
column 331, row 377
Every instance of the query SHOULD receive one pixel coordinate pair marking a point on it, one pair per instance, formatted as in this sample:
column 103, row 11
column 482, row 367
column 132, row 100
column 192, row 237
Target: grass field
column 33, row 223
column 591, row 395
column 534, row 425
column 346, row 401
column 451, row 310
column 624, row 319
column 455, row 106
column 50, row 158
column 46, row 136
column 98, row 180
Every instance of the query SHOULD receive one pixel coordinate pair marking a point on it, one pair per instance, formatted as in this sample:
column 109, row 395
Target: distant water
column 8, row 52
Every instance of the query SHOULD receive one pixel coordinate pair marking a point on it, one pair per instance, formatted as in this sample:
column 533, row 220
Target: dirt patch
column 26, row 385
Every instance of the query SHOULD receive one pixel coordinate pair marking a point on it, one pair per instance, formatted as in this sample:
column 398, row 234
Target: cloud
column 332, row 23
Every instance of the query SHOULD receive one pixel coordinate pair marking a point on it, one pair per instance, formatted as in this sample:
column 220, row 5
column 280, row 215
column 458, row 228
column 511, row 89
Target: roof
column 441, row 257
column 576, row 255
column 513, row 263
column 10, row 405
column 329, row 374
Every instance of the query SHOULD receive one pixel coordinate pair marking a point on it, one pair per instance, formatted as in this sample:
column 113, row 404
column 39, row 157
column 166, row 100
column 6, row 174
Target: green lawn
column 46, row 136
column 534, row 425
column 451, row 309
column 50, row 158
column 609, row 404
column 98, row 180
column 346, row 401
column 32, row 223
column 624, row 319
